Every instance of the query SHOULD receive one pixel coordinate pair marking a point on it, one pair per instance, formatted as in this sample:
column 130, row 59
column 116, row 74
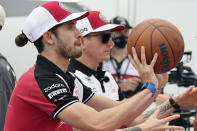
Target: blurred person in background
column 7, row 78
column 119, row 65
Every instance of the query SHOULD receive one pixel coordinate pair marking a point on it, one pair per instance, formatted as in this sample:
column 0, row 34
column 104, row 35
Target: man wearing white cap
column 46, row 98
column 96, row 50
column 7, row 78
column 43, row 93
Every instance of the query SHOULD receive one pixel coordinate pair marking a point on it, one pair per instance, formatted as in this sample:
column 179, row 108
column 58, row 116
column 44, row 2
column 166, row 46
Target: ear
column 48, row 38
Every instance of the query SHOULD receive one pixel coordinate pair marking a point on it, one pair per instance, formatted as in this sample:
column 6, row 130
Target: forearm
column 109, row 119
column 129, row 110
column 130, row 129
column 165, row 110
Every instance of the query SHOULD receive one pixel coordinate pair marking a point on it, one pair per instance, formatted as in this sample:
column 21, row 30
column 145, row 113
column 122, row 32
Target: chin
column 106, row 58
column 76, row 54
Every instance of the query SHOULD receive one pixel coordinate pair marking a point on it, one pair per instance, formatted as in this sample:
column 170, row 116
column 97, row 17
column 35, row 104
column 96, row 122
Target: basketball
column 161, row 37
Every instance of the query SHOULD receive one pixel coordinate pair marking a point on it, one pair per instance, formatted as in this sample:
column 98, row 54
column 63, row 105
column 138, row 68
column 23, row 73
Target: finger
column 170, row 118
column 174, row 128
column 135, row 57
column 132, row 61
column 156, row 113
column 154, row 60
column 187, row 92
column 134, row 79
column 133, row 83
column 143, row 55
column 192, row 86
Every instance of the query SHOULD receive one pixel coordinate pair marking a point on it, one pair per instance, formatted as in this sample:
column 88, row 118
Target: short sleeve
column 82, row 92
column 56, row 90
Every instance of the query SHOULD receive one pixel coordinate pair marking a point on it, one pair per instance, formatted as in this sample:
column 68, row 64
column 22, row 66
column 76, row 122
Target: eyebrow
column 72, row 22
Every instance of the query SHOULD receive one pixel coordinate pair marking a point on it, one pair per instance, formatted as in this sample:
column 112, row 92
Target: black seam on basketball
column 140, row 35
column 143, row 32
column 166, row 40
column 151, row 49
column 172, row 30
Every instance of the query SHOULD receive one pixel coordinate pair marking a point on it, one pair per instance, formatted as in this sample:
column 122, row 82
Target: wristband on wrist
column 174, row 104
column 149, row 86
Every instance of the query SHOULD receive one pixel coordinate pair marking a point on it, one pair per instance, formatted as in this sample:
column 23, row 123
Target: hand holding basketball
column 161, row 37
column 145, row 70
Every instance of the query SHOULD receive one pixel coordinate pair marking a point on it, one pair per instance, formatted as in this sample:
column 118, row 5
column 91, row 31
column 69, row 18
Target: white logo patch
column 57, row 92
column 53, row 87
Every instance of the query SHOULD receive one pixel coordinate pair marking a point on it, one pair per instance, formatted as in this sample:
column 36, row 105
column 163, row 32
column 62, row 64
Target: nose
column 110, row 42
column 78, row 33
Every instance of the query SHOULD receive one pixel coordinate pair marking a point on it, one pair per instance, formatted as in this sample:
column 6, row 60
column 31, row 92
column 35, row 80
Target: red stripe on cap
column 95, row 20
column 56, row 11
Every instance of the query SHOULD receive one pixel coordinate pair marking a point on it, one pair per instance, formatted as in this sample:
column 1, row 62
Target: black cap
column 121, row 21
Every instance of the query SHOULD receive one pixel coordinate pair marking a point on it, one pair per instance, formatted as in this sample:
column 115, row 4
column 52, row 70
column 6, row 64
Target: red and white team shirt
column 101, row 82
column 40, row 95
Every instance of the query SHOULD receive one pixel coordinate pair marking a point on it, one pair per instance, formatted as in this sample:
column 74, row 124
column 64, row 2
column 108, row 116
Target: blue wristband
column 149, row 86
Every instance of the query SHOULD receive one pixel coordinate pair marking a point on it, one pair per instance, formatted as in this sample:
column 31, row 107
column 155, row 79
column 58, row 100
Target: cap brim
column 75, row 16
column 110, row 27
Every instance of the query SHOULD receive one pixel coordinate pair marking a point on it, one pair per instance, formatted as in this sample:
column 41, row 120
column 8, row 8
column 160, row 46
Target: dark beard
column 69, row 53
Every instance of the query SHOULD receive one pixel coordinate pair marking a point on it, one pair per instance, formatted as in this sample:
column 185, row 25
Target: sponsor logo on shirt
column 53, row 87
column 57, row 92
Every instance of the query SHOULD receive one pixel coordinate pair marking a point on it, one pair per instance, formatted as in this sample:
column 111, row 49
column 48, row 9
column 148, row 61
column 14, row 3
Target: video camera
column 183, row 75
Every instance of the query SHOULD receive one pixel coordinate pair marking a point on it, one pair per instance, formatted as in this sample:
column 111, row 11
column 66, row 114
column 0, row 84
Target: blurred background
column 182, row 13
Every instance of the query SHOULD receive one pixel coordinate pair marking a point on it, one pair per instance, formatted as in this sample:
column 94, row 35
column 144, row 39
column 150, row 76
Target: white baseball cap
column 46, row 16
column 96, row 22
column 2, row 16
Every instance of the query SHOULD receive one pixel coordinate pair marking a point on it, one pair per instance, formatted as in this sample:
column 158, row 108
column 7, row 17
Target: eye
column 72, row 25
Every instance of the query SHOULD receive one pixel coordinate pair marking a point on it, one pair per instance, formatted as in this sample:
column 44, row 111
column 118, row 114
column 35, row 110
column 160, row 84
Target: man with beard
column 47, row 98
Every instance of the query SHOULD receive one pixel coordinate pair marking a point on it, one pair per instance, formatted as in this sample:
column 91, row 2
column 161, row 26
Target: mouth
column 77, row 43
column 107, row 51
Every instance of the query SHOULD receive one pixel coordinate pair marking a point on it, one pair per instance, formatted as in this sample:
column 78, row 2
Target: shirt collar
column 47, row 64
column 76, row 65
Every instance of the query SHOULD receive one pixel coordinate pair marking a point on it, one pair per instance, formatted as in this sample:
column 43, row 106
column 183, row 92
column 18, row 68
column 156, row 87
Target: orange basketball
column 161, row 37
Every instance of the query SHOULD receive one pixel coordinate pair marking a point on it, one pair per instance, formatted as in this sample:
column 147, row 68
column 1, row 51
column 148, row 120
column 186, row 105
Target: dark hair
column 21, row 40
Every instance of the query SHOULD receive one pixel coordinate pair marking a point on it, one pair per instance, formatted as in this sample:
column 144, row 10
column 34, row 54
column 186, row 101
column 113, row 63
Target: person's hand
column 129, row 84
column 162, row 79
column 155, row 124
column 145, row 71
column 188, row 99
column 161, row 98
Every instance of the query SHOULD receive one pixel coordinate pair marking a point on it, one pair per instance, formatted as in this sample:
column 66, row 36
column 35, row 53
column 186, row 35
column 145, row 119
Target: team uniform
column 40, row 95
column 101, row 82
column 120, row 71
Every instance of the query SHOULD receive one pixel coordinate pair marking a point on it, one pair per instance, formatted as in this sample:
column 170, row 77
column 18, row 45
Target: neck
column 89, row 62
column 118, row 53
column 61, row 62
